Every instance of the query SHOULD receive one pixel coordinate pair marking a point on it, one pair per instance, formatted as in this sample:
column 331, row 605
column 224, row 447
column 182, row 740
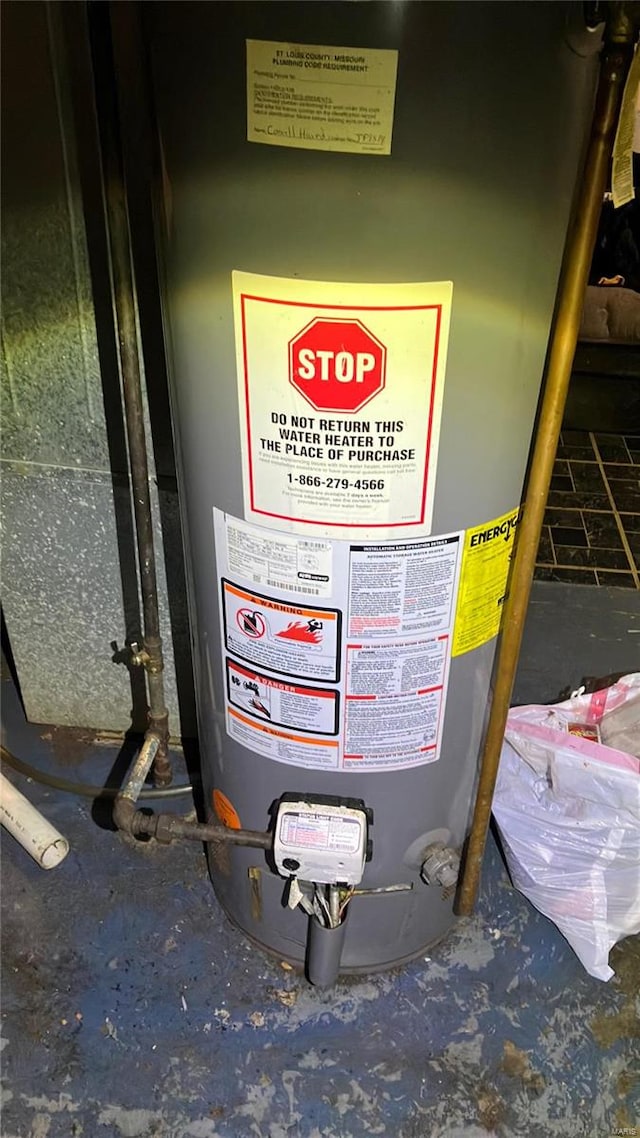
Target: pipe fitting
column 441, row 866
column 164, row 832
column 123, row 812
column 148, row 655
column 124, row 808
column 152, row 656
column 139, row 656
column 166, row 828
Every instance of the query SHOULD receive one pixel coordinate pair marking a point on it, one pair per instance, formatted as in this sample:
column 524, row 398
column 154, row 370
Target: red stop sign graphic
column 337, row 365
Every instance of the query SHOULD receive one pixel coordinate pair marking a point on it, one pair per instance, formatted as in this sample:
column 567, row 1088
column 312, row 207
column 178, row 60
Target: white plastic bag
column 568, row 811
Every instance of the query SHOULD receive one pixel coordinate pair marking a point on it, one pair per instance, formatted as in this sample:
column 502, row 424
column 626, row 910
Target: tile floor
column 591, row 532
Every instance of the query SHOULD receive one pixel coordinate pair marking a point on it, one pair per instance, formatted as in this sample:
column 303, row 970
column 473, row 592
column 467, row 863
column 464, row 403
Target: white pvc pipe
column 39, row 838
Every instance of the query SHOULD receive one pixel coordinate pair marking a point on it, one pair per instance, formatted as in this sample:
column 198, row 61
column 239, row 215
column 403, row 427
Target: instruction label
column 340, row 393
column 320, row 832
column 287, row 705
column 402, row 588
column 395, row 698
column 389, row 735
column 296, row 565
column 303, row 643
column 401, row 605
column 320, row 98
column 394, row 669
column 483, row 581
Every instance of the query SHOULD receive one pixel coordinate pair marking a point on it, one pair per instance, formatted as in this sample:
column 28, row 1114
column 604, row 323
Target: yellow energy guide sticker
column 483, row 580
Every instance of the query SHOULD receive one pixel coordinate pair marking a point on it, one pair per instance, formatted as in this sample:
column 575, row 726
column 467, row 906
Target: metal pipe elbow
column 123, row 813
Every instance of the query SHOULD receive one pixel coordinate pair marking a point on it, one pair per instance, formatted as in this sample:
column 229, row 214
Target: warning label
column 340, row 393
column 283, row 746
column 298, row 642
column 483, row 581
column 287, row 705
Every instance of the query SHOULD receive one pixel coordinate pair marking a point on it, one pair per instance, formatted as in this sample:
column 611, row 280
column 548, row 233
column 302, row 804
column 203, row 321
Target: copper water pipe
column 616, row 55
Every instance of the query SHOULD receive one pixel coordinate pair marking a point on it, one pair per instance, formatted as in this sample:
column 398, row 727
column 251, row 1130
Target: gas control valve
column 322, row 838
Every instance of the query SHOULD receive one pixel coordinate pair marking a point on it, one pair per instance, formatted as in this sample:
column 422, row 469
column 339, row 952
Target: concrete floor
column 132, row 1009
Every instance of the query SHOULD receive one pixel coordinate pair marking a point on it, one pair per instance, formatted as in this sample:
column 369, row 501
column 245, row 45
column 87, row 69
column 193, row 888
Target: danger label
column 286, row 705
column 297, row 641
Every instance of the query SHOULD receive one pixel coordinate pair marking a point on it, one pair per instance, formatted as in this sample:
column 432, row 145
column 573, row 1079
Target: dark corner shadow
column 80, row 71
column 144, row 181
column 8, row 660
column 88, row 38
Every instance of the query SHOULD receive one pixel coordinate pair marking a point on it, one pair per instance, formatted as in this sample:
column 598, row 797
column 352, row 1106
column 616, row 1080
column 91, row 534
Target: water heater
column 366, row 206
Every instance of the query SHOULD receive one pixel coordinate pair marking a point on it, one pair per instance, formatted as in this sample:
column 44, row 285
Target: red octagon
column 337, row 365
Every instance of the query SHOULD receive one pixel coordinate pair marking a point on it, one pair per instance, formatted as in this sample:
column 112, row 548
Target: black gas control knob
column 291, row 864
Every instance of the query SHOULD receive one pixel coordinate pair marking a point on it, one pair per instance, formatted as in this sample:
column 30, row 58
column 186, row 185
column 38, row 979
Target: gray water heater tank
column 366, row 206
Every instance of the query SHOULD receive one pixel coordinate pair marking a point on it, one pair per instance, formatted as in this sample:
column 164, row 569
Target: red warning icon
column 309, row 633
column 251, row 623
